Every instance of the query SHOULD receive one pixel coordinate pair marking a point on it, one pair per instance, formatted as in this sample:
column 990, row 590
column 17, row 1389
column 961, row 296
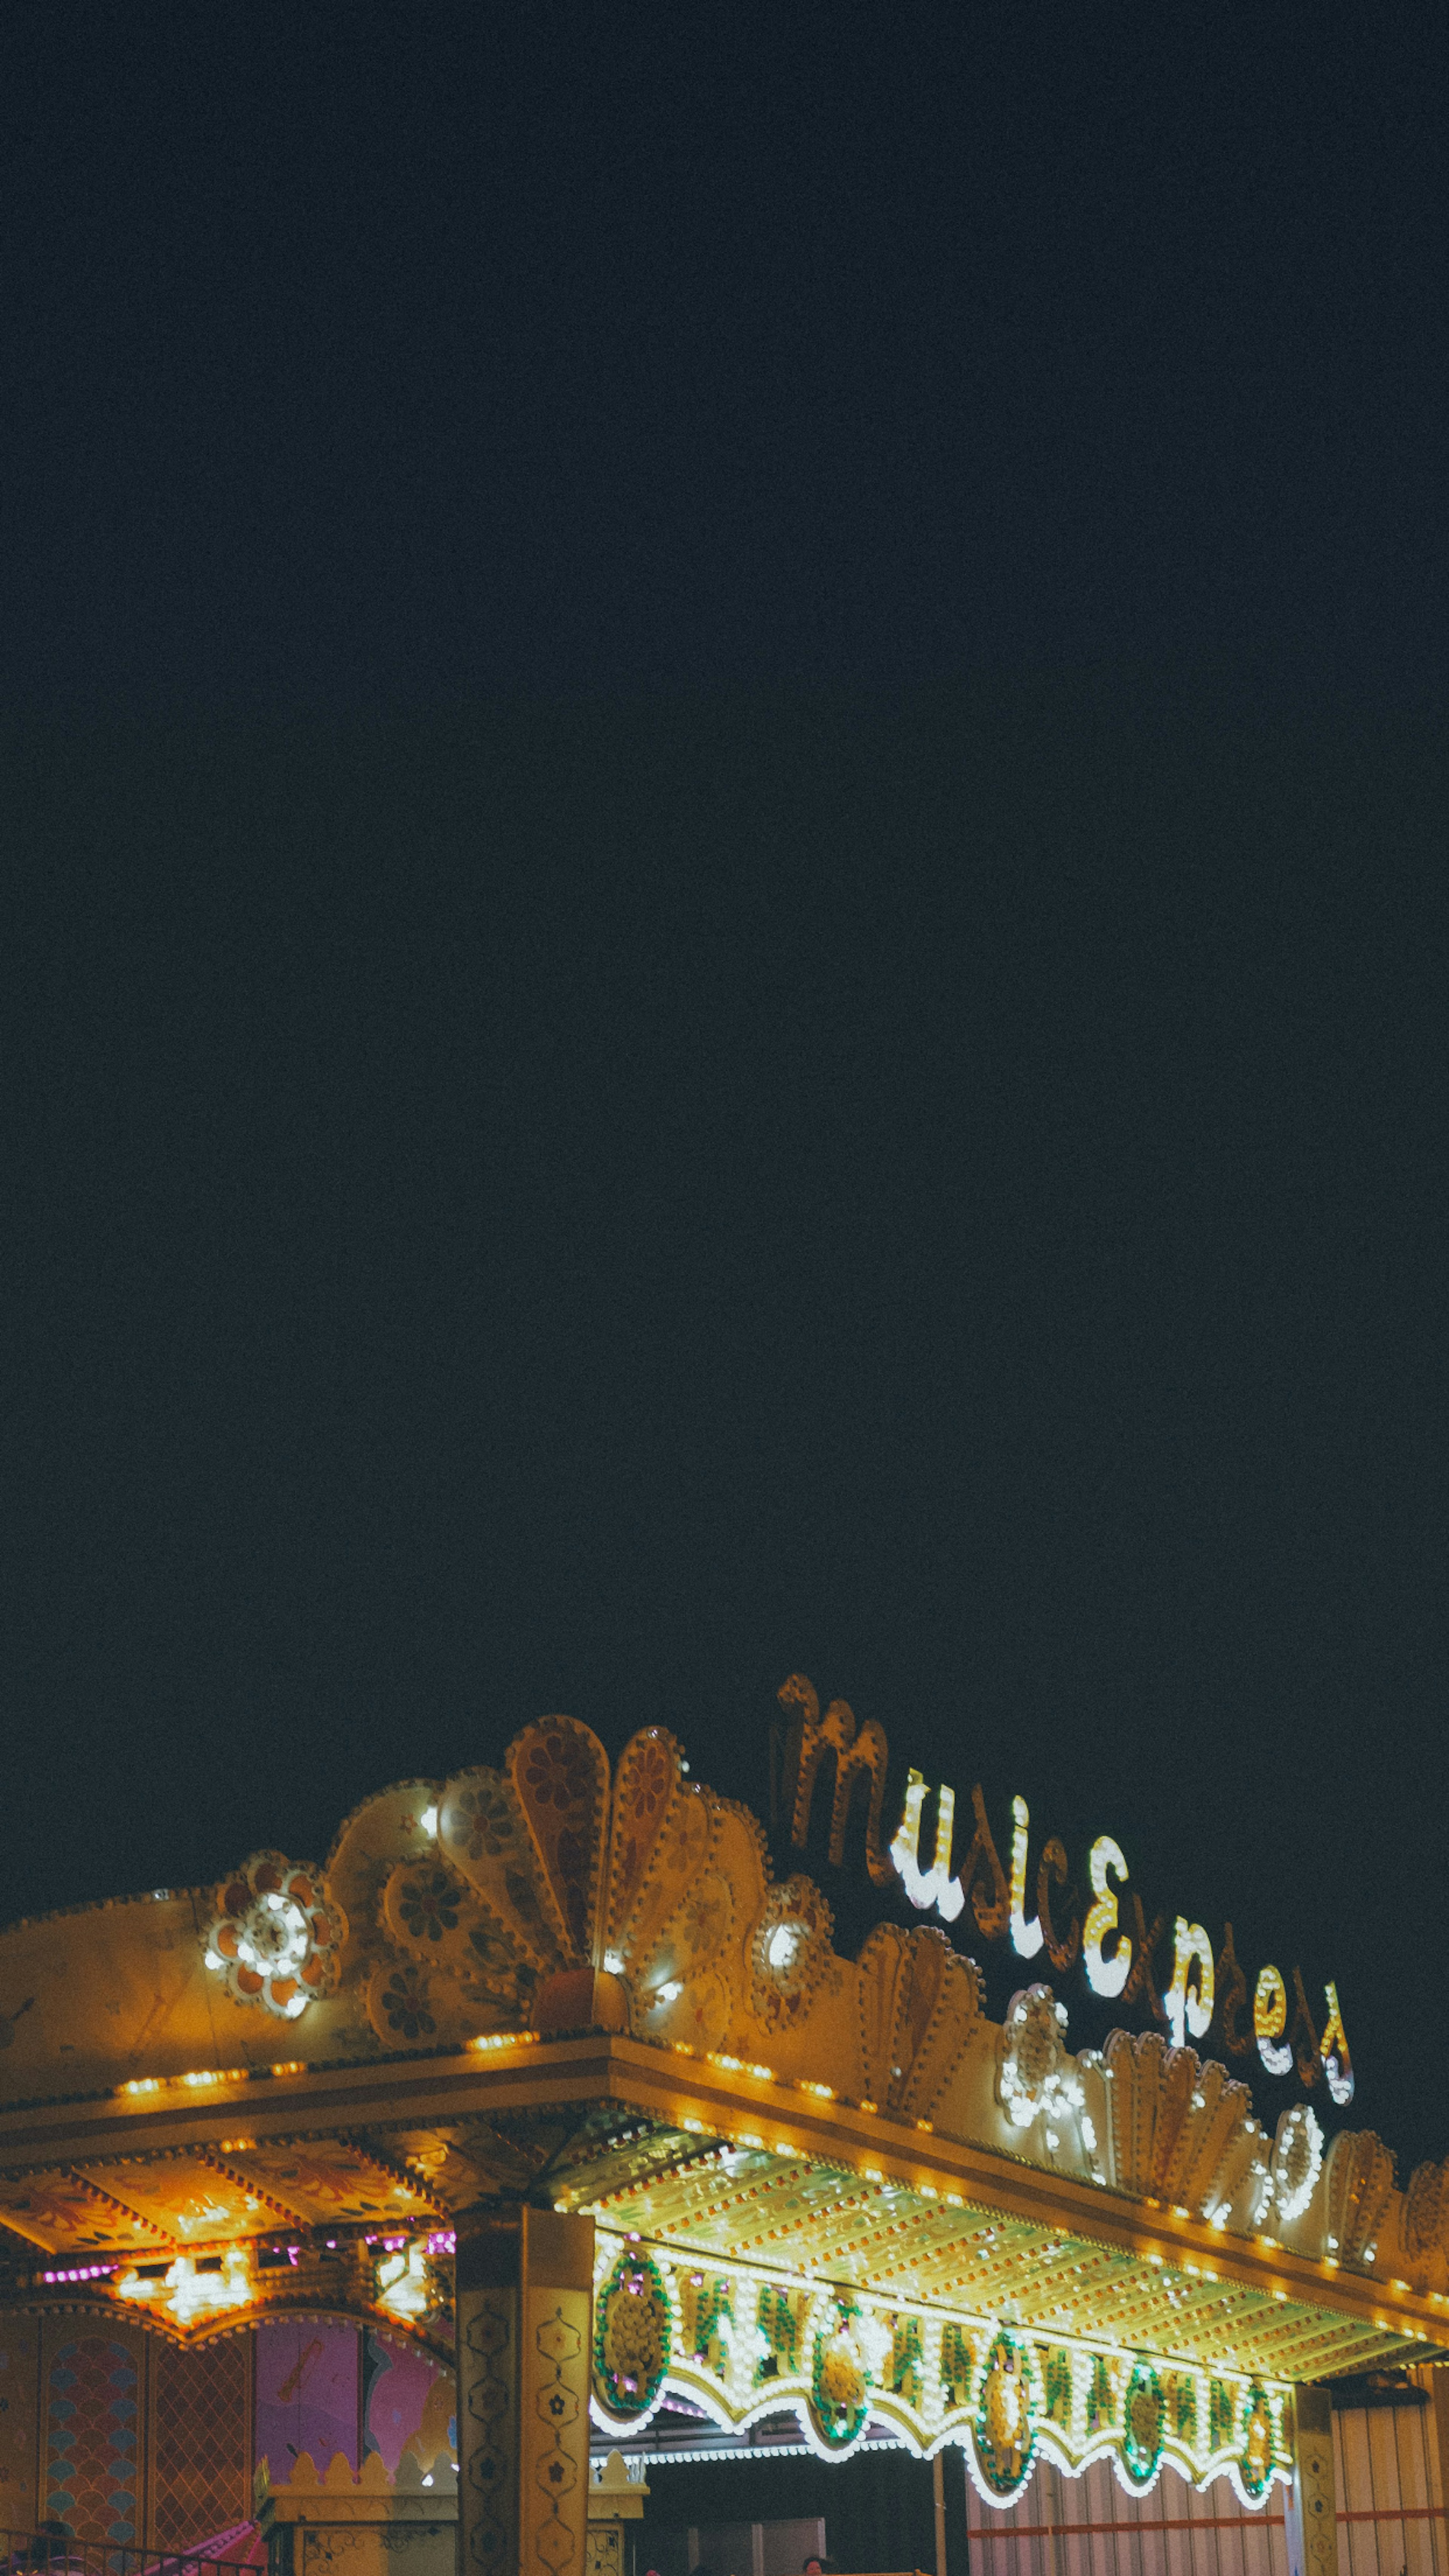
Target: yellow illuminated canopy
column 826, row 2186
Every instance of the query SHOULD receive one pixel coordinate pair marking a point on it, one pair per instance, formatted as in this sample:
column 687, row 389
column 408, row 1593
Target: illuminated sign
column 1113, row 1940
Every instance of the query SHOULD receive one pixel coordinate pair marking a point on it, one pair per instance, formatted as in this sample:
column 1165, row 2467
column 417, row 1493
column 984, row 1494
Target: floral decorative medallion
column 632, row 2335
column 1144, row 2423
column 840, row 2380
column 400, row 2003
column 789, row 1952
column 274, row 1939
column 1006, row 2417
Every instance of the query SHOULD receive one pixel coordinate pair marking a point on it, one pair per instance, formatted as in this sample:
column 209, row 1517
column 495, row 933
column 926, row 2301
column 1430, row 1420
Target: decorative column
column 524, row 2300
column 1310, row 2518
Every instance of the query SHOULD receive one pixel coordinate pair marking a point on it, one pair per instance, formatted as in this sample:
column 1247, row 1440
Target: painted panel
column 19, row 2421
column 308, row 2376
column 65, row 2216
column 184, row 2197
column 93, row 2392
column 326, row 2179
column 200, row 2451
column 409, row 2402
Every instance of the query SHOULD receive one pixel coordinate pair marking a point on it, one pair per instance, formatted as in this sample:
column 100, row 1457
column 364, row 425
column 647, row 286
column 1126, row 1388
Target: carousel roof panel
column 334, row 2182
column 723, row 2166
column 805, row 2220
column 571, row 1981
column 187, row 2199
column 179, row 2197
column 63, row 2213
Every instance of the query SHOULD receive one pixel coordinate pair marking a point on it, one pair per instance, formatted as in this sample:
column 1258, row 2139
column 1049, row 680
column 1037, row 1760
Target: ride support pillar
column 524, row 2311
column 1311, row 2514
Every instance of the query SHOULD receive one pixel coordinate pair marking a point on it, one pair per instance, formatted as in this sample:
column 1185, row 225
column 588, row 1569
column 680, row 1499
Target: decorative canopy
column 824, row 2183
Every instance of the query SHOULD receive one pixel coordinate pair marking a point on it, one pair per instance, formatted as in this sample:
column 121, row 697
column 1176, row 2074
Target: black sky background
column 724, row 780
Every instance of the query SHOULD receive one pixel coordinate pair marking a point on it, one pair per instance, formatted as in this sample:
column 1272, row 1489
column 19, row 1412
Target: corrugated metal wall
column 1390, row 2502
column 1390, row 2515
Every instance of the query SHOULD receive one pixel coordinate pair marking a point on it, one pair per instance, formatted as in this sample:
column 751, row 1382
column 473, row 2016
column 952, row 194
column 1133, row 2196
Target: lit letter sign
column 1188, row 2008
column 997, row 1903
column 933, row 1886
column 1337, row 2064
column 1105, row 1976
column 1270, row 2013
column 1026, row 1938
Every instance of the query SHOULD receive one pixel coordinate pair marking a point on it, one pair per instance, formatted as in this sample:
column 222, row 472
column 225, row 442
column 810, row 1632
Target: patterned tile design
column 200, row 2468
column 92, row 2447
column 19, row 2381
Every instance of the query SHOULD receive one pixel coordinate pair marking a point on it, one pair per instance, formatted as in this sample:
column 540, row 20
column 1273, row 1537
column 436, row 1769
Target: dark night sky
column 723, row 781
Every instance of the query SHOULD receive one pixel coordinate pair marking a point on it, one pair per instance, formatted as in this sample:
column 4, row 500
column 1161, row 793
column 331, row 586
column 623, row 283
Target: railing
column 55, row 2553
